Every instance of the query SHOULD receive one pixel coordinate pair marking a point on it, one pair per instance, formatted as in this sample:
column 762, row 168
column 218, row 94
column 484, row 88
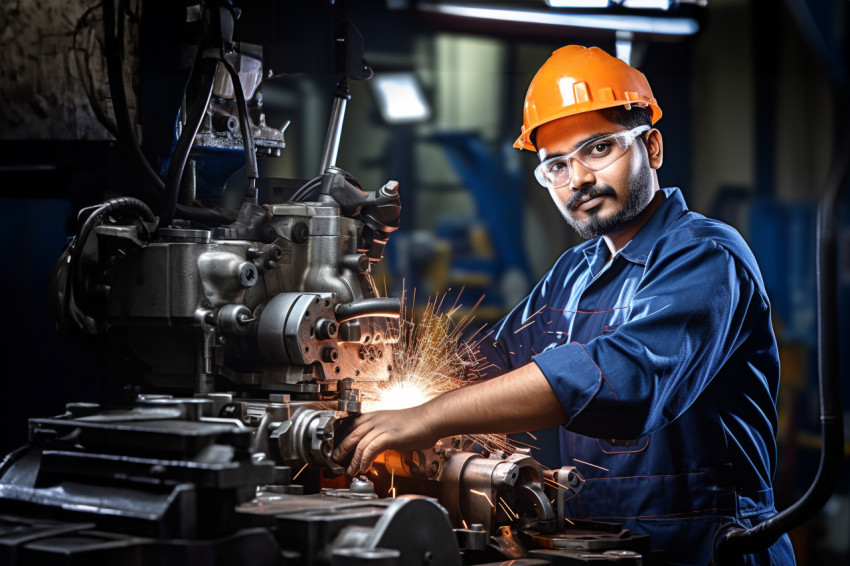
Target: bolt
column 300, row 232
column 330, row 355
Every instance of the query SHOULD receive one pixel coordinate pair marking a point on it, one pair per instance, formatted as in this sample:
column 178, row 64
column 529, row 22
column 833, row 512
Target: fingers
column 361, row 426
column 367, row 450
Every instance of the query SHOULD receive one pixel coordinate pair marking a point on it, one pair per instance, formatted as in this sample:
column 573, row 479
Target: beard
column 639, row 196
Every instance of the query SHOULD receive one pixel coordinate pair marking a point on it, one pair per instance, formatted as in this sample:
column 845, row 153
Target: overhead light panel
column 578, row 3
column 622, row 22
column 400, row 98
column 647, row 4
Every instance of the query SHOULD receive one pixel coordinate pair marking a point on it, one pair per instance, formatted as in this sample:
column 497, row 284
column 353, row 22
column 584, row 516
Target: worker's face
column 600, row 202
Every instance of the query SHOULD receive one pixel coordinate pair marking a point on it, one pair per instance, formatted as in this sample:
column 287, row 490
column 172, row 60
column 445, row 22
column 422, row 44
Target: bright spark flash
column 400, row 395
column 476, row 492
column 430, row 358
column 299, row 471
column 508, row 508
column 589, row 464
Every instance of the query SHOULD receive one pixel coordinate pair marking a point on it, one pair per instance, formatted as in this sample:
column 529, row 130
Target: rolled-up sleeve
column 691, row 310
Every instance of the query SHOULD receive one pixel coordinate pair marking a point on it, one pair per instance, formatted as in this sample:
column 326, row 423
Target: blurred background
column 755, row 102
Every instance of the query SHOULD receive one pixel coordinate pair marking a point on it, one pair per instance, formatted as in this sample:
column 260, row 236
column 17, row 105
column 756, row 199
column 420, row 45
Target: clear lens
column 596, row 155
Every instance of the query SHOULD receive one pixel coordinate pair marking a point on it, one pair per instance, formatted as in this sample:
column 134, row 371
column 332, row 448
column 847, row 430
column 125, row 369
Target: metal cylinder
column 333, row 135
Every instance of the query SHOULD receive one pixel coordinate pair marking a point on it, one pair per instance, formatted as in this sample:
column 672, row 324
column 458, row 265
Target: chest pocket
column 616, row 446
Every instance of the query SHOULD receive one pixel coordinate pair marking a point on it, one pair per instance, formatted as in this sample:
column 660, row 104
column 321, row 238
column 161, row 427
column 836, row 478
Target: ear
column 654, row 148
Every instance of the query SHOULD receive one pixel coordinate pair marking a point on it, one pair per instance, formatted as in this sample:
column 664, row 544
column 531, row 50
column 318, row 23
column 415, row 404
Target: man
column 651, row 343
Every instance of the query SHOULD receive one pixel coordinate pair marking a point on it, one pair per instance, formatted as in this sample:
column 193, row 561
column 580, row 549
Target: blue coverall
column 666, row 364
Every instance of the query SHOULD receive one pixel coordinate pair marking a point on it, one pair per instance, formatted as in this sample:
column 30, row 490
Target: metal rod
column 334, row 133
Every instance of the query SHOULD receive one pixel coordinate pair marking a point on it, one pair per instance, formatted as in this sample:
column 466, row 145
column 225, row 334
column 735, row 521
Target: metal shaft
column 333, row 135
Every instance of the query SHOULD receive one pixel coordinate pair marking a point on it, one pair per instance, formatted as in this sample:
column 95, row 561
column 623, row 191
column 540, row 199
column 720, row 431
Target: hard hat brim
column 523, row 142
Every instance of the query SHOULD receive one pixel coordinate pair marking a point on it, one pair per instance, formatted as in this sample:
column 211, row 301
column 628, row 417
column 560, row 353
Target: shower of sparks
column 465, row 526
column 531, row 435
column 299, row 472
column 523, row 327
column 432, row 356
column 508, row 508
column 570, row 522
column 476, row 492
column 553, row 483
column 392, row 482
column 589, row 464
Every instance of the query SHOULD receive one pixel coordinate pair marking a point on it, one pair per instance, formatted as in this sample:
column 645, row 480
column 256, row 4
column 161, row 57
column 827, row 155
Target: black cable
column 74, row 280
column 200, row 89
column 388, row 307
column 114, row 47
column 735, row 541
column 306, row 189
column 244, row 121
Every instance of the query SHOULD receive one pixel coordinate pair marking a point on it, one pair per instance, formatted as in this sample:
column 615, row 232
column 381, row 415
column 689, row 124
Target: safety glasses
column 595, row 154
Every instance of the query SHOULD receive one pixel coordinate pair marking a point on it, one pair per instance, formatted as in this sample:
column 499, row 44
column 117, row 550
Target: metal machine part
column 496, row 491
column 179, row 478
column 220, row 126
column 279, row 301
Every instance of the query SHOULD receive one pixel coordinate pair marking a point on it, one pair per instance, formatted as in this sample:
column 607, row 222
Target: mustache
column 591, row 193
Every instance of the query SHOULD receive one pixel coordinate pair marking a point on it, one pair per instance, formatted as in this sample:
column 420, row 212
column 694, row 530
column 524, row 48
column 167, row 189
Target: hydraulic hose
column 244, row 122
column 733, row 541
column 74, row 281
column 205, row 68
column 114, row 47
column 387, row 307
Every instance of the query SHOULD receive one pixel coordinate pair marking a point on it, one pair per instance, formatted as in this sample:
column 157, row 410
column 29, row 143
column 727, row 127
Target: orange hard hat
column 577, row 79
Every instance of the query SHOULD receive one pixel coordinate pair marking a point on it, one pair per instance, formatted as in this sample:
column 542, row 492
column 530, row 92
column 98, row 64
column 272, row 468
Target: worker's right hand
column 373, row 433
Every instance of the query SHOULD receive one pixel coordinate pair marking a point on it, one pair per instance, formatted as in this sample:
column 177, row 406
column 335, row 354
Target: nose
column 581, row 175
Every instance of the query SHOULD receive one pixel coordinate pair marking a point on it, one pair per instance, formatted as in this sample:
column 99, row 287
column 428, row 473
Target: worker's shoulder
column 694, row 229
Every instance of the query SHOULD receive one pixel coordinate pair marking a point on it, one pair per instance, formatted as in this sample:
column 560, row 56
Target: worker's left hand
column 373, row 433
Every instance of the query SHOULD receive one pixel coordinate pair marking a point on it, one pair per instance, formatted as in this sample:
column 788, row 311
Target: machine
column 252, row 331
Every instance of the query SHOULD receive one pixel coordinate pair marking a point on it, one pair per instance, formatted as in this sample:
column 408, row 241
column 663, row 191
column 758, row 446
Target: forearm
column 517, row 401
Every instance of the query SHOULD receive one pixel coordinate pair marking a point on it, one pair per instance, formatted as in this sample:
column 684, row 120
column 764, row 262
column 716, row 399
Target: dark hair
column 629, row 119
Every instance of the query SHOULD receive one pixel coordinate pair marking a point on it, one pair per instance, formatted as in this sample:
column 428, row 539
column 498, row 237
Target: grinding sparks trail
column 589, row 464
column 433, row 355
column 476, row 492
column 430, row 358
column 508, row 508
column 299, row 472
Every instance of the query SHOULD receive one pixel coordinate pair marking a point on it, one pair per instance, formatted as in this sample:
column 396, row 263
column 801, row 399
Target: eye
column 557, row 166
column 600, row 148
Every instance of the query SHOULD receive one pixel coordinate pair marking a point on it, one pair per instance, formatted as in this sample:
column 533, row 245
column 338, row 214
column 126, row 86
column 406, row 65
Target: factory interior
column 161, row 402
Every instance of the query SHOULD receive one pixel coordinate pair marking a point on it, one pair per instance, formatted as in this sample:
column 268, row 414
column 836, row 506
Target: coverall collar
column 638, row 248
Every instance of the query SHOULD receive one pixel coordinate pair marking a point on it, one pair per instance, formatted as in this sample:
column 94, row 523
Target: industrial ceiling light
column 648, row 4
column 400, row 98
column 578, row 3
column 622, row 22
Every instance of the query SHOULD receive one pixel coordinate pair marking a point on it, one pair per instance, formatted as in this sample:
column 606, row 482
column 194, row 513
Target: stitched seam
column 602, row 375
column 680, row 514
column 648, row 476
column 612, row 309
